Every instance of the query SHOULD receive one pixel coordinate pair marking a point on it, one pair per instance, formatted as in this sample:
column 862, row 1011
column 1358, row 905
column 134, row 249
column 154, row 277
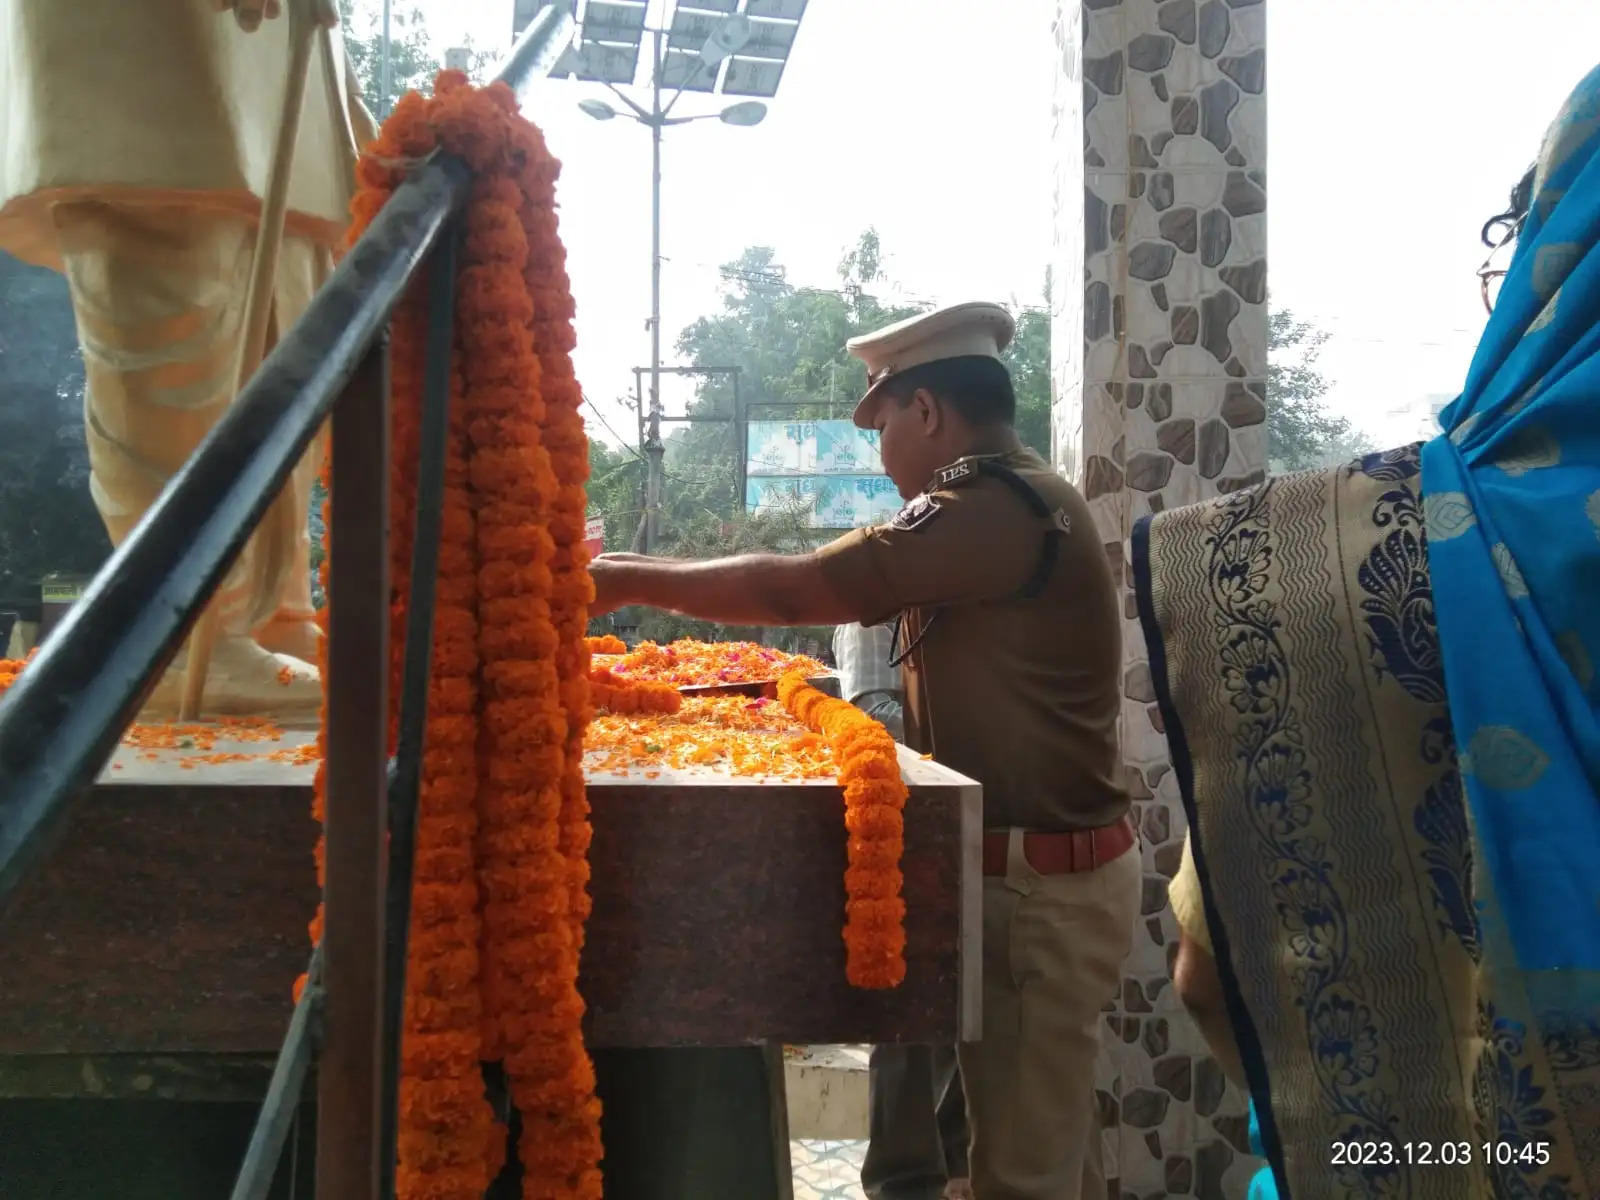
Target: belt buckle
column 1080, row 846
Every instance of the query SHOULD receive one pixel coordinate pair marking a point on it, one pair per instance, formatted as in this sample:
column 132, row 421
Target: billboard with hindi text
column 830, row 468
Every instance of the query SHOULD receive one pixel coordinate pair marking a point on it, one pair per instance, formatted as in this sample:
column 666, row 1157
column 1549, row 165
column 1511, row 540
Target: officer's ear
column 927, row 410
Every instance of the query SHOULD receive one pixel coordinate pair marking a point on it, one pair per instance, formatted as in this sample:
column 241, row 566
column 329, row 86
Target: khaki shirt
column 1018, row 693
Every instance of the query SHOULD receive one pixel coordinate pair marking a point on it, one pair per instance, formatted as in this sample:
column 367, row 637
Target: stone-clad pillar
column 1160, row 365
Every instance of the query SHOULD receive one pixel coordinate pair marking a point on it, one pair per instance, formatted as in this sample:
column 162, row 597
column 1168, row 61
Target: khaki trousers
column 159, row 295
column 1053, row 948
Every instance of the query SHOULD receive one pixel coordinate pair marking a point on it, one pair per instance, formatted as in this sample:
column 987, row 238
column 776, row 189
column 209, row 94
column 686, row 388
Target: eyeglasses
column 1497, row 234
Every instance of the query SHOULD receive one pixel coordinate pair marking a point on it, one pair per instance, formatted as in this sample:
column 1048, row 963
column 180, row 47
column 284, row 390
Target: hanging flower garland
column 874, row 807
column 502, row 834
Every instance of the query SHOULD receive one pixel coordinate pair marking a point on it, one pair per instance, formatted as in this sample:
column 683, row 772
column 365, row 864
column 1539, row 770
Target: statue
column 139, row 149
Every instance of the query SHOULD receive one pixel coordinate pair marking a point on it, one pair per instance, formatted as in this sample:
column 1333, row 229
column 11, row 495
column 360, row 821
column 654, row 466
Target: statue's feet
column 245, row 680
column 296, row 638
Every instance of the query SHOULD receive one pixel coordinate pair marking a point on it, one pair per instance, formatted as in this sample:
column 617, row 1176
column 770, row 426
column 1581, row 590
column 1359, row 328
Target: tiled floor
column 827, row 1170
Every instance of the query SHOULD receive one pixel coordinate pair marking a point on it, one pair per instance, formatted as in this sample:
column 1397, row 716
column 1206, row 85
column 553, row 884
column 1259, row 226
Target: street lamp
column 751, row 112
column 728, row 37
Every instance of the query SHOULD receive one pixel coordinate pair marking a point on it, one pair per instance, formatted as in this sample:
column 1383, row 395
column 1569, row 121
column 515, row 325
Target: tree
column 788, row 344
column 616, row 481
column 48, row 521
column 1301, row 432
column 413, row 57
column 1028, row 357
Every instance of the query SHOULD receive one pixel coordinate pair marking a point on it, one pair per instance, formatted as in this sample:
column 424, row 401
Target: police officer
column 1008, row 627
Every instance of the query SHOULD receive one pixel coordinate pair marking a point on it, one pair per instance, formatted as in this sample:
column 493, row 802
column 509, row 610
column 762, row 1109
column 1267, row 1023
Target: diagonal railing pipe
column 61, row 720
column 261, row 1157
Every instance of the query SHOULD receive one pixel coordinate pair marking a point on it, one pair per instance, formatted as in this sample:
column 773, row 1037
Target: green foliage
column 1028, row 356
column 616, row 483
column 788, row 345
column 48, row 522
column 1301, row 432
column 413, row 57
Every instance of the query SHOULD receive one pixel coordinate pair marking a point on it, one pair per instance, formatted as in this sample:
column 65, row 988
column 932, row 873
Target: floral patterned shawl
column 1298, row 667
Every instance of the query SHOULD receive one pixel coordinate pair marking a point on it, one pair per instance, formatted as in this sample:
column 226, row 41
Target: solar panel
column 523, row 12
column 570, row 62
column 752, row 77
column 789, row 10
column 770, row 39
column 610, row 21
column 693, row 28
column 684, row 68
column 611, row 35
column 598, row 62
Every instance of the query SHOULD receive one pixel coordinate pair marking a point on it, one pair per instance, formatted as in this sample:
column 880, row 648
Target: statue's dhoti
column 159, row 295
column 140, row 144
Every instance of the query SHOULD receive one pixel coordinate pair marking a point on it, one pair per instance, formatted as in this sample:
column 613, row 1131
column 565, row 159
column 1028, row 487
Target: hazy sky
column 1397, row 127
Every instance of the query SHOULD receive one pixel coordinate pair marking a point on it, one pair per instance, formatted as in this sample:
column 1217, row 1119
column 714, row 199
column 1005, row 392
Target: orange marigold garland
column 492, row 970
column 446, row 1127
column 607, row 644
column 562, row 1135
column 627, row 696
column 874, row 808
column 10, row 668
column 545, row 276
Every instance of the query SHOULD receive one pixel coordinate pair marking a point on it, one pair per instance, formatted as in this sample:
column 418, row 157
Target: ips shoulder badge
column 917, row 513
column 954, row 475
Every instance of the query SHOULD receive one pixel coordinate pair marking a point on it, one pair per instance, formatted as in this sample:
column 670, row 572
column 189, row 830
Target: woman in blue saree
column 1378, row 684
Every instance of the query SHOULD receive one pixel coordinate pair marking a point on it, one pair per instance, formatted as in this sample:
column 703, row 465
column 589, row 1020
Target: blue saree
column 1511, row 495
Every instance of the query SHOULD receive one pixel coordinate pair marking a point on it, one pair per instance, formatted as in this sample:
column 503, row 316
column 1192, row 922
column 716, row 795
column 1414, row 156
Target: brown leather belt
column 1061, row 853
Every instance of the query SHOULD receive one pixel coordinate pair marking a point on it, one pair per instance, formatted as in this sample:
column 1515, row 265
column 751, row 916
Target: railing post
column 357, row 727
column 410, row 741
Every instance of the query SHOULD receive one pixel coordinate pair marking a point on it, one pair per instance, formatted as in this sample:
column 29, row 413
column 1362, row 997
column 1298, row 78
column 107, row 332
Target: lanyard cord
column 897, row 656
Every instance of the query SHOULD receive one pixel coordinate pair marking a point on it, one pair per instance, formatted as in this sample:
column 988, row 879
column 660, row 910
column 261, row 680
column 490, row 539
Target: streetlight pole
column 728, row 38
column 385, row 77
column 655, row 451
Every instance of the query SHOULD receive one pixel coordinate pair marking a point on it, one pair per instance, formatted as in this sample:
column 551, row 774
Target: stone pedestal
column 146, row 967
column 1160, row 365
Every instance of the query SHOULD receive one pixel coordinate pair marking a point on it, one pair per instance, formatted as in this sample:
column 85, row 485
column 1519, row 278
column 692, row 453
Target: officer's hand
column 250, row 13
column 608, row 572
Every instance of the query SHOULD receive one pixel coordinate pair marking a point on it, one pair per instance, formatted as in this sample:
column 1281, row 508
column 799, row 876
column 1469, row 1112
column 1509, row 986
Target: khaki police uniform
column 1011, row 630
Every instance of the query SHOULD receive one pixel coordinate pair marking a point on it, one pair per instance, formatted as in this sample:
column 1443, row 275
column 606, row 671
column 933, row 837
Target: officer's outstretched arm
column 751, row 589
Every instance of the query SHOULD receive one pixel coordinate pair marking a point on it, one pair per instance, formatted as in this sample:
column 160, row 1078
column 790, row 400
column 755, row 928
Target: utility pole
column 722, row 39
column 385, row 72
column 654, row 450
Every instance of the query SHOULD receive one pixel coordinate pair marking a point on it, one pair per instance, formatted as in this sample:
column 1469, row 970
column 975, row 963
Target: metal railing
column 60, row 722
